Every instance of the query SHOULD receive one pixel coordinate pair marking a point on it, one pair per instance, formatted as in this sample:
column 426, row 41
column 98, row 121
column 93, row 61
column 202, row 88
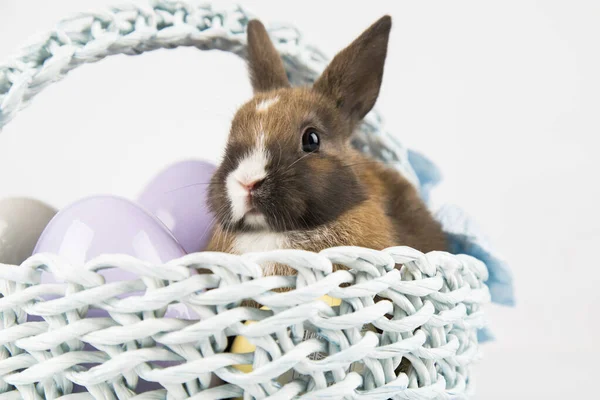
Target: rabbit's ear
column 265, row 65
column 354, row 76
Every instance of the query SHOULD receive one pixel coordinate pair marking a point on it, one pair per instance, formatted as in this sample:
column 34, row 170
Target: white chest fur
column 259, row 241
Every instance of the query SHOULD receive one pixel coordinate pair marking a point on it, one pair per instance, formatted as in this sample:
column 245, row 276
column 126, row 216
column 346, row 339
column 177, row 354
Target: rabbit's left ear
column 354, row 76
column 266, row 68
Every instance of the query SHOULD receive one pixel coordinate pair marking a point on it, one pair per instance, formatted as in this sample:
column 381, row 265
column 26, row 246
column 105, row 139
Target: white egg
column 22, row 221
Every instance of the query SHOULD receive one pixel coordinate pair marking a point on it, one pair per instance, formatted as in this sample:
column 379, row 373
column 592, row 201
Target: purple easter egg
column 108, row 224
column 101, row 225
column 177, row 196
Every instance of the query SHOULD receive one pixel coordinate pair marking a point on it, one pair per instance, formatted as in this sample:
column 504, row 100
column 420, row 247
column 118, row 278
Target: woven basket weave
column 428, row 314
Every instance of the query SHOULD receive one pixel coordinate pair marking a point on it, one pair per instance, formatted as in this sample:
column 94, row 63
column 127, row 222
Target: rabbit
column 290, row 178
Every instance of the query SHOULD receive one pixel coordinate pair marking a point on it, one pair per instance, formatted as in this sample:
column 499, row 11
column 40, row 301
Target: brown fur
column 392, row 215
column 335, row 196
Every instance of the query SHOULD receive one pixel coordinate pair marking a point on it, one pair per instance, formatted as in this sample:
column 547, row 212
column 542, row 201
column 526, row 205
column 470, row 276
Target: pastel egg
column 107, row 225
column 22, row 221
column 102, row 225
column 177, row 196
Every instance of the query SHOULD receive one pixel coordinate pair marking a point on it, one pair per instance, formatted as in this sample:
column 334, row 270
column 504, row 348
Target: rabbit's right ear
column 266, row 68
column 354, row 76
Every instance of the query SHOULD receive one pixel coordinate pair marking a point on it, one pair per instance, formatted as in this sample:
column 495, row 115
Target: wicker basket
column 428, row 315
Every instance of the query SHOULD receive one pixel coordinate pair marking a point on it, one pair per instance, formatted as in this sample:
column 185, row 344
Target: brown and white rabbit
column 291, row 179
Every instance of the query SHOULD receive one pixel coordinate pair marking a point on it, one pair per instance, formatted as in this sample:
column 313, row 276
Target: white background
column 505, row 97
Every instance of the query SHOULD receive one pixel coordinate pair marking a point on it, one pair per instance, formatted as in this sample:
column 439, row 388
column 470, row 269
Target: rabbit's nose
column 252, row 185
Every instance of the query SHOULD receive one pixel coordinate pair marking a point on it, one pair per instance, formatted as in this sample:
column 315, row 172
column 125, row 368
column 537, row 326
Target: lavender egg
column 107, row 224
column 101, row 225
column 177, row 196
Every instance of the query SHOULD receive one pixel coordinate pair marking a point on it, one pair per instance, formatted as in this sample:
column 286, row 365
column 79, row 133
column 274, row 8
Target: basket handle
column 134, row 29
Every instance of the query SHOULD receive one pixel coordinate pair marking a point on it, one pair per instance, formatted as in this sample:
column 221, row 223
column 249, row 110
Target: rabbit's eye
column 310, row 140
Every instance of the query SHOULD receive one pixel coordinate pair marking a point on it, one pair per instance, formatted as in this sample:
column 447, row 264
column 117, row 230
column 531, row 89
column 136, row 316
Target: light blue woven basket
column 429, row 313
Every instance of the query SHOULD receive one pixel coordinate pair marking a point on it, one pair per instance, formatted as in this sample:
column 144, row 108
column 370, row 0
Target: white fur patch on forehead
column 265, row 104
column 260, row 139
